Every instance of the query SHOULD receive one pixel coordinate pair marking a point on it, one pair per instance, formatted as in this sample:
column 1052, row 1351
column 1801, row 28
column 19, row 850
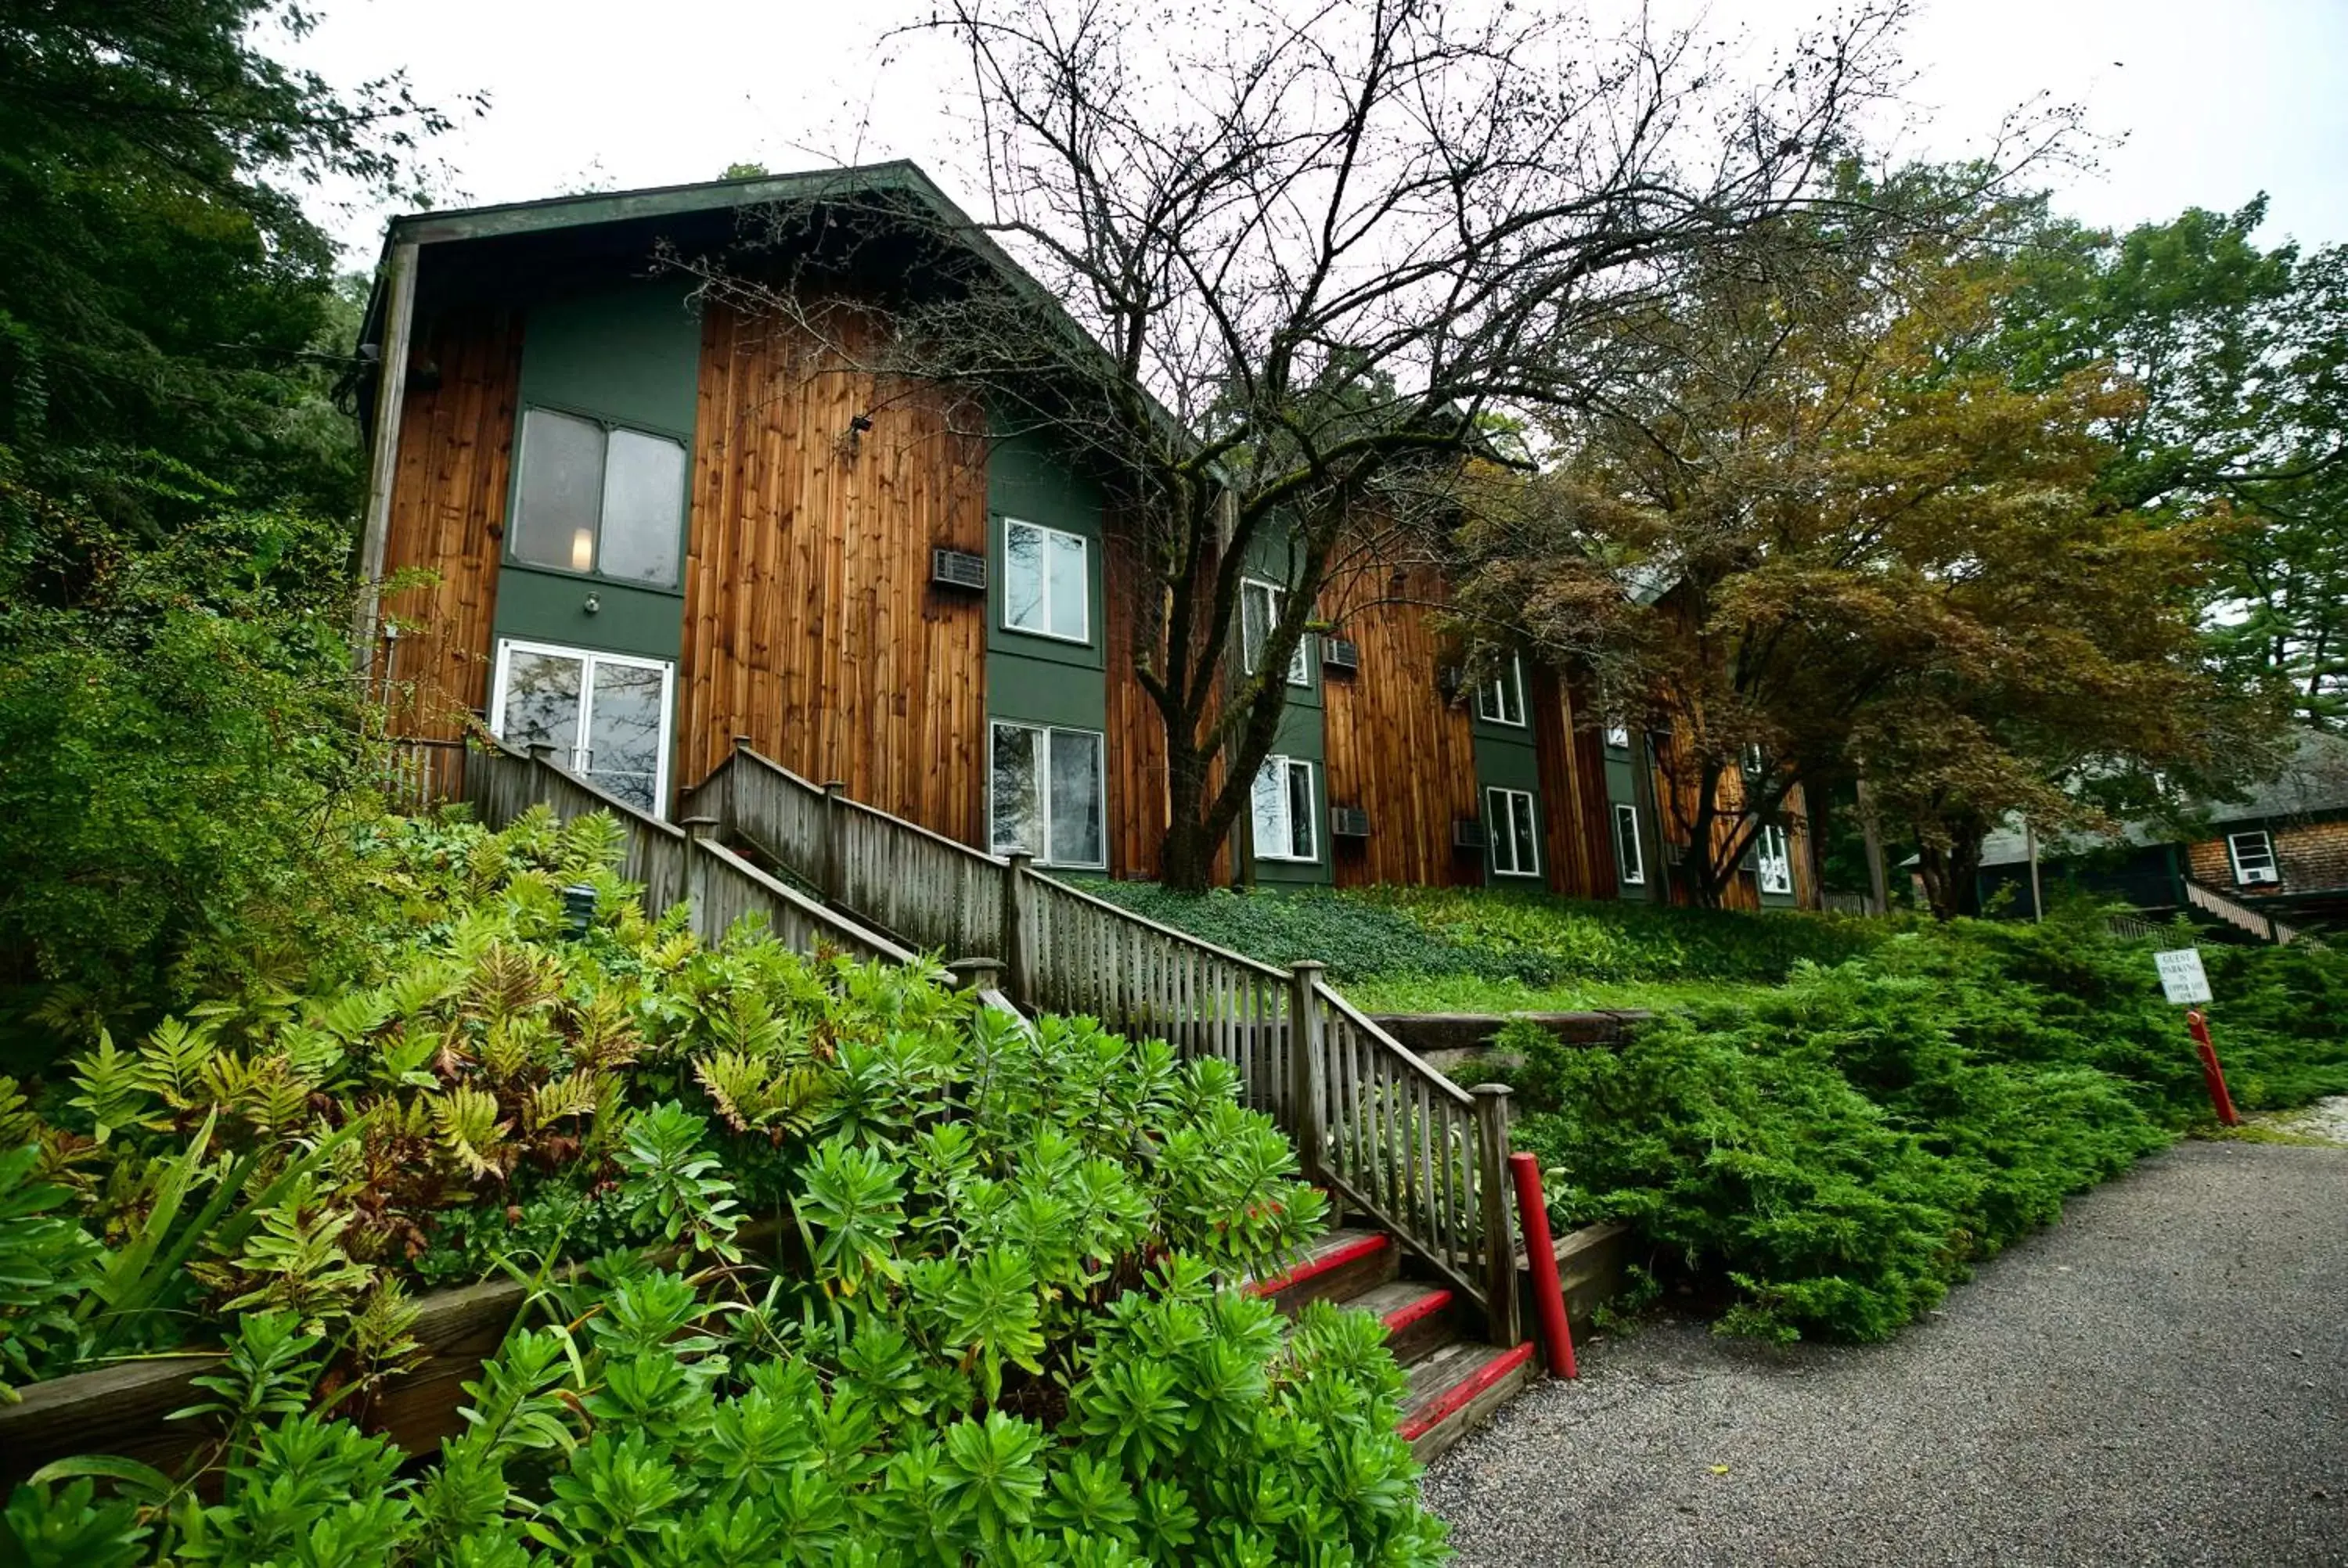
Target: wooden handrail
column 1399, row 1140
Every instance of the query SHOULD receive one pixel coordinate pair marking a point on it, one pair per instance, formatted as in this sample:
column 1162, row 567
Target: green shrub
column 1196, row 1432
column 1835, row 1155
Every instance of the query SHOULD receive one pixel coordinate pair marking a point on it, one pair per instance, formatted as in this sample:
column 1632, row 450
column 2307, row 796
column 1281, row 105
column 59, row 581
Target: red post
column 2211, row 1073
column 1549, row 1295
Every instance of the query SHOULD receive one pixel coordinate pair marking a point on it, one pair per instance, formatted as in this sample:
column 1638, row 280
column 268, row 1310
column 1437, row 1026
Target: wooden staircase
column 1457, row 1379
column 1416, row 1164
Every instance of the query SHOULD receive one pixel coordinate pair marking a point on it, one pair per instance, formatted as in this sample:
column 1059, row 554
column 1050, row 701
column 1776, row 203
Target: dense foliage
column 1834, row 1153
column 946, row 1284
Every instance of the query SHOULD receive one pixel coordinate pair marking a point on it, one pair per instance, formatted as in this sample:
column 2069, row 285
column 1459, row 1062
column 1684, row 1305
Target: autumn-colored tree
column 1830, row 534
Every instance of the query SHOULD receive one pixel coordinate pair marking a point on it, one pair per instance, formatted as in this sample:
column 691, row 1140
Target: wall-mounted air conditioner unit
column 1466, row 833
column 1348, row 821
column 1340, row 657
column 2259, row 873
column 958, row 568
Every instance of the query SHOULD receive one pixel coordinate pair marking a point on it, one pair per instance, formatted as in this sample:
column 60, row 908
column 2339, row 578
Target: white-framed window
column 605, row 714
column 2254, row 858
column 1259, row 603
column 1047, row 796
column 1773, row 861
column 1516, row 841
column 598, row 498
column 1283, row 812
column 1630, row 860
column 1757, row 761
column 1501, row 700
column 1618, row 734
column 1047, row 581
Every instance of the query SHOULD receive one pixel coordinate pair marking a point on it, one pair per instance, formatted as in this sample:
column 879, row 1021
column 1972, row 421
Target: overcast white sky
column 2215, row 102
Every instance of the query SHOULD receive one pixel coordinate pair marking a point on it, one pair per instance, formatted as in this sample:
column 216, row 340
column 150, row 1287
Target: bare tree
column 1296, row 268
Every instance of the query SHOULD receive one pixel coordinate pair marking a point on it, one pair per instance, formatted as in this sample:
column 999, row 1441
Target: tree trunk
column 1952, row 877
column 1186, row 857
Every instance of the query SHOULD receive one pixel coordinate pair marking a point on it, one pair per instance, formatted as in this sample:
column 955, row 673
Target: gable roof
column 2313, row 783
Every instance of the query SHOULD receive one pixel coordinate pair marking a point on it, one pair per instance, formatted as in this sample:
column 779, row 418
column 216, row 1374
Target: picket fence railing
column 1404, row 1144
column 2242, row 916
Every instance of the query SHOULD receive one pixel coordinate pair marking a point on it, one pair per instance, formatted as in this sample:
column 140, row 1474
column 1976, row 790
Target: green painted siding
column 1302, row 732
column 1033, row 678
column 629, row 356
column 1622, row 789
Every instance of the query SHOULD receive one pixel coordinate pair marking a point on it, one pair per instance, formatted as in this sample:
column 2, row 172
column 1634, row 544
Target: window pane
column 1271, row 808
column 562, row 485
column 541, row 705
column 1626, row 843
column 623, row 733
column 644, row 503
column 1258, row 610
column 1023, row 577
column 1077, row 798
column 1300, row 814
column 1527, row 855
column 1067, row 596
column 1018, row 821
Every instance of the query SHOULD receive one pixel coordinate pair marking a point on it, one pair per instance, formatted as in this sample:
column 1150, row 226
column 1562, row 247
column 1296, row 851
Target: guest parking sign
column 2182, row 978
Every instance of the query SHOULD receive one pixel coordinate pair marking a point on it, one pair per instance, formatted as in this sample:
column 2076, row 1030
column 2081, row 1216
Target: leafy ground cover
column 1442, row 949
column 1828, row 1157
column 939, row 1287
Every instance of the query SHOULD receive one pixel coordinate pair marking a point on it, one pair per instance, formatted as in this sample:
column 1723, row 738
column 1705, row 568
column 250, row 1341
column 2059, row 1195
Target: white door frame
column 588, row 658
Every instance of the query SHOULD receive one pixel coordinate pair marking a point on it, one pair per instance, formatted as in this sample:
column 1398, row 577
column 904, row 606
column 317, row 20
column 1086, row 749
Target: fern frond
column 113, row 1088
column 575, row 1095
column 171, row 1062
column 606, row 1033
column 753, row 1095
column 595, row 842
column 509, row 980
column 17, row 1119
column 466, row 1121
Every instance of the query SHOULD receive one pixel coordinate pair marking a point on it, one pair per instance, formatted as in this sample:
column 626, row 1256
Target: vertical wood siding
column 1398, row 748
column 448, row 515
column 810, row 625
column 1578, row 822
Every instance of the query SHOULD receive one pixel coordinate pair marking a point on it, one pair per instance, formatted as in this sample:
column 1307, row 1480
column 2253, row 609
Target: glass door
column 605, row 714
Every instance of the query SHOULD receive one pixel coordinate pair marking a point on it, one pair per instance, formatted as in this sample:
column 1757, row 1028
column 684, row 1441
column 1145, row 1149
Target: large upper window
column 1630, row 863
column 1773, row 861
column 1515, row 842
column 1501, row 700
column 2254, row 858
column 1618, row 734
column 1259, row 603
column 605, row 714
column 598, row 498
column 1048, row 796
column 1283, row 814
column 1047, row 586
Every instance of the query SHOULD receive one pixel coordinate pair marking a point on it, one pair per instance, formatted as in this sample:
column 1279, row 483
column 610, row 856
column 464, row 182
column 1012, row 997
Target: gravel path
column 2161, row 1378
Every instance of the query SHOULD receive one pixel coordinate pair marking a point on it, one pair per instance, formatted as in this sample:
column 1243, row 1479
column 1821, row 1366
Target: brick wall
column 2311, row 856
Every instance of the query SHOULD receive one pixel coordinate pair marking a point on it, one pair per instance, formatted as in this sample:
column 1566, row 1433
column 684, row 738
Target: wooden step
column 1418, row 1315
column 1343, row 1263
column 1456, row 1388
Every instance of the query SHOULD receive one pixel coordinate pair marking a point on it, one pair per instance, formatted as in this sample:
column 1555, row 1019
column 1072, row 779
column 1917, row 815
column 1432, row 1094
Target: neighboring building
column 653, row 524
column 2281, row 851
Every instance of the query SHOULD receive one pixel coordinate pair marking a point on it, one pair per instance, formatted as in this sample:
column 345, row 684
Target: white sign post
column 2182, row 979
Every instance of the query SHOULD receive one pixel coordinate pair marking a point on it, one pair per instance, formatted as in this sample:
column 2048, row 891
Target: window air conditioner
column 957, row 568
column 1348, row 821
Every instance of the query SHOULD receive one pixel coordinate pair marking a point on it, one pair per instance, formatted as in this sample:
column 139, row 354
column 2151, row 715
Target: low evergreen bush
column 1834, row 1153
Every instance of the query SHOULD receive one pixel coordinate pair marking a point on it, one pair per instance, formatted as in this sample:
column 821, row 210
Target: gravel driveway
column 2160, row 1379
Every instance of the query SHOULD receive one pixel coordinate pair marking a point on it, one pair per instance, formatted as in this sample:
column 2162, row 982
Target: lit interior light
column 582, row 551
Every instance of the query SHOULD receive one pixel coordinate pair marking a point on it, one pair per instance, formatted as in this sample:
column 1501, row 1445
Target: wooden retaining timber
column 1394, row 1138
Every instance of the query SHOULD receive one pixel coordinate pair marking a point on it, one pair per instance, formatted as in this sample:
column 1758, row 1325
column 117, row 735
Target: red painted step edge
column 1463, row 1393
column 1410, row 1312
column 1321, row 1264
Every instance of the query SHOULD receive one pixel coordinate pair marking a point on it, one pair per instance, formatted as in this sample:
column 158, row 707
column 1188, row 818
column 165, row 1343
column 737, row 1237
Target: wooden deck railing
column 418, row 775
column 2241, row 915
column 1399, row 1140
column 674, row 864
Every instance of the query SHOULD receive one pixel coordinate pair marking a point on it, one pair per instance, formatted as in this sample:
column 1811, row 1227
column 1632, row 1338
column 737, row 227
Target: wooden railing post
column 1018, row 963
column 1500, row 1318
column 698, row 831
column 835, row 831
column 1307, row 1048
